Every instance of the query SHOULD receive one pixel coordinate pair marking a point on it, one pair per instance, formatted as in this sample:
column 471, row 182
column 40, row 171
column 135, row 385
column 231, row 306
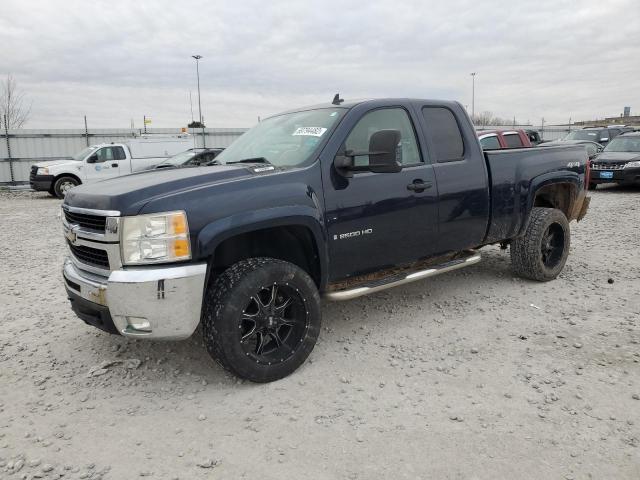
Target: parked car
column 500, row 139
column 194, row 157
column 619, row 162
column 601, row 135
column 333, row 201
column 621, row 128
column 592, row 148
column 534, row 137
column 107, row 160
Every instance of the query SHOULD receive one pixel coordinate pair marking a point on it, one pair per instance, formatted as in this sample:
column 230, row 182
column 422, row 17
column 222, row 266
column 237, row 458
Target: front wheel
column 540, row 254
column 261, row 318
column 63, row 184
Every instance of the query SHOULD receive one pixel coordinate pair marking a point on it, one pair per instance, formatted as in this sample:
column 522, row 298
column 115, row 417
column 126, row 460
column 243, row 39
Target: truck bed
column 514, row 173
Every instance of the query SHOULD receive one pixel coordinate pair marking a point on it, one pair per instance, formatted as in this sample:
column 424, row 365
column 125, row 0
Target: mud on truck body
column 333, row 201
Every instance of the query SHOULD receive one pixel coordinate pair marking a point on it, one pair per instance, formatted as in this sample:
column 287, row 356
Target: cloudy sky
column 115, row 61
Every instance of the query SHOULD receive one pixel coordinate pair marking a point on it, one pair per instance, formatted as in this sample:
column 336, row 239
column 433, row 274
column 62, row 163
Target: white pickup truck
column 107, row 160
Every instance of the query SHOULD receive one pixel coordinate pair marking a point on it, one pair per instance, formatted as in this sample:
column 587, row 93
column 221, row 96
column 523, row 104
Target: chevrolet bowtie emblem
column 71, row 235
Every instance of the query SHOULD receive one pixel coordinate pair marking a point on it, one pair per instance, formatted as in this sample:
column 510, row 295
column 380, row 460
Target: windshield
column 592, row 135
column 180, row 158
column 624, row 144
column 84, row 153
column 287, row 140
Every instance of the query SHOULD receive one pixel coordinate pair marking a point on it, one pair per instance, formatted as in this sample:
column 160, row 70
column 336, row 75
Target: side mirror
column 384, row 155
column 93, row 158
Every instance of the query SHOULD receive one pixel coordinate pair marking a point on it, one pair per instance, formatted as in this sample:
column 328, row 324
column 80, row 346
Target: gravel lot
column 471, row 375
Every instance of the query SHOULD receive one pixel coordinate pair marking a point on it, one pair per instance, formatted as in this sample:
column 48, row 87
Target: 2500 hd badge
column 357, row 233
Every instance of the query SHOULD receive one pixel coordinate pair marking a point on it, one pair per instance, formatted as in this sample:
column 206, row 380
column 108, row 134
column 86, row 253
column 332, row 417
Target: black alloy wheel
column 273, row 324
column 552, row 245
column 541, row 252
column 261, row 318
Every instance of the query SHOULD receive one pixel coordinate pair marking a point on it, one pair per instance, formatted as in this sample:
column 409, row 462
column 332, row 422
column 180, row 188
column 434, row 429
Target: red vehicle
column 501, row 139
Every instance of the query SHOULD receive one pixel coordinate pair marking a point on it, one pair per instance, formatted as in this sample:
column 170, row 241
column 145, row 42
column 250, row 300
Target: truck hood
column 128, row 194
column 618, row 157
column 59, row 161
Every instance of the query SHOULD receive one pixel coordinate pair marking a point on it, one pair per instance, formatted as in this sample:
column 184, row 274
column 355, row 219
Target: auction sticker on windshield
column 310, row 131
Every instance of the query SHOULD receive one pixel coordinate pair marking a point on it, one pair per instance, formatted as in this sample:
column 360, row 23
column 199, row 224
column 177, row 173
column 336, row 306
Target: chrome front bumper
column 153, row 302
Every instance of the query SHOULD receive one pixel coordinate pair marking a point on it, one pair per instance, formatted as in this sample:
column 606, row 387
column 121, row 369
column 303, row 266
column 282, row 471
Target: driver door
column 106, row 164
column 380, row 220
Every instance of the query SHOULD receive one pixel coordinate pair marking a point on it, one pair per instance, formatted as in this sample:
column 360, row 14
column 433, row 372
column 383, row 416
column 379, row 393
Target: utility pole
column 6, row 136
column 473, row 95
column 191, row 104
column 198, row 57
column 86, row 131
column 144, row 122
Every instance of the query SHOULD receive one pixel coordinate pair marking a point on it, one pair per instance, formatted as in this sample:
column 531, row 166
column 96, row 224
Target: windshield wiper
column 252, row 160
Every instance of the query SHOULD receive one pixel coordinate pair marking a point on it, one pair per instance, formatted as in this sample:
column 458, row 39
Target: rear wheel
column 541, row 253
column 261, row 318
column 63, row 184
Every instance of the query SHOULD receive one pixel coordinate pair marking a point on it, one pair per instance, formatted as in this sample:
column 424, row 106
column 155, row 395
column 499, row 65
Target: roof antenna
column 337, row 100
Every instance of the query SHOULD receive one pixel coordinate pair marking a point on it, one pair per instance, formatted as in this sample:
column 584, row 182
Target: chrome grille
column 608, row 166
column 92, row 256
column 93, row 222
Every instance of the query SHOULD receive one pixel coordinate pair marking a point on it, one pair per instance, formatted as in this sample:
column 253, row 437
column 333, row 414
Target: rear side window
column 118, row 153
column 490, row 143
column 513, row 140
column 445, row 134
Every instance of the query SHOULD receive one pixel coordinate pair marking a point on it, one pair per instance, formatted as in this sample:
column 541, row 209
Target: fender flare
column 214, row 233
column 544, row 180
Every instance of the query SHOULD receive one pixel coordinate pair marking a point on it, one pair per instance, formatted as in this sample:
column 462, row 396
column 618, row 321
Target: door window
column 445, row 134
column 107, row 154
column 384, row 119
column 513, row 140
column 490, row 143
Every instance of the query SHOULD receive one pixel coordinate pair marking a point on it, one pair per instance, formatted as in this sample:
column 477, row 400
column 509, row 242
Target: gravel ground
column 471, row 375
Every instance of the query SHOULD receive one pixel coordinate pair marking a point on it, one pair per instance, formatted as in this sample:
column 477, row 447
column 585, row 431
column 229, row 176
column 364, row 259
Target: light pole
column 198, row 57
column 473, row 95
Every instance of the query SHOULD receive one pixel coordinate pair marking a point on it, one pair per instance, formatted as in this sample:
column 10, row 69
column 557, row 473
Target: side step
column 401, row 279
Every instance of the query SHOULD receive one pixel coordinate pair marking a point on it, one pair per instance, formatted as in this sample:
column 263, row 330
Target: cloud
column 116, row 61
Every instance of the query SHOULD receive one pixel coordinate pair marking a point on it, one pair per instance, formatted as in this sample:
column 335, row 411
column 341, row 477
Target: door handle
column 114, row 165
column 419, row 186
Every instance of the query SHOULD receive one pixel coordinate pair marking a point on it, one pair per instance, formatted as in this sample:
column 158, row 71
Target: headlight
column 155, row 238
column 42, row 171
column 632, row 165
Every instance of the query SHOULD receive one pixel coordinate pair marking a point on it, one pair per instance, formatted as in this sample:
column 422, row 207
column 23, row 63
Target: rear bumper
column 152, row 302
column 624, row 176
column 41, row 183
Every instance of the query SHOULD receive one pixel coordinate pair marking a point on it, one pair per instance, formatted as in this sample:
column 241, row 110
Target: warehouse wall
column 24, row 147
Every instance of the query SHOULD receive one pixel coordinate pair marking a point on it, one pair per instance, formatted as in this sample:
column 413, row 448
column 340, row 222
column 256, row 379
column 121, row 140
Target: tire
column 261, row 318
column 64, row 183
column 592, row 186
column 541, row 253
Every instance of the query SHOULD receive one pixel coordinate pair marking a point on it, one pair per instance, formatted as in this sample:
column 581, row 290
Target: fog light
column 139, row 324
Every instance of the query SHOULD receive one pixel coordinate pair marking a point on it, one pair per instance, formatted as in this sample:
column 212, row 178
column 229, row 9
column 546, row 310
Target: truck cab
column 107, row 160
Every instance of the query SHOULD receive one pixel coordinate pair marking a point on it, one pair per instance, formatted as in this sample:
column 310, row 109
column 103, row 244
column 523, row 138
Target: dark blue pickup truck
column 335, row 201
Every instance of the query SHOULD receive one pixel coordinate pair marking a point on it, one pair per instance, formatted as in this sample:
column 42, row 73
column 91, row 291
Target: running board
column 401, row 279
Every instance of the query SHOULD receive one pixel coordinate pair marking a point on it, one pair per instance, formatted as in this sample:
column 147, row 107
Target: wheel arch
column 296, row 237
column 66, row 174
column 553, row 191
